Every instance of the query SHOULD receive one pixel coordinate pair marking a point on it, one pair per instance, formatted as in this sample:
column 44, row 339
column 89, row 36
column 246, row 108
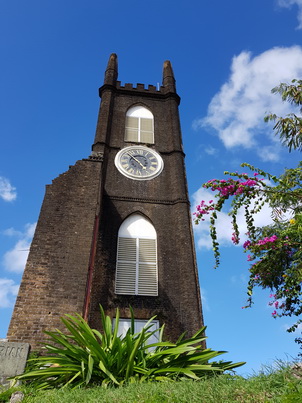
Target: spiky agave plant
column 86, row 356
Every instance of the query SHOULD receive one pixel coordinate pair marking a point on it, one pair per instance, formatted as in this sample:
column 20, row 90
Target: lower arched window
column 136, row 263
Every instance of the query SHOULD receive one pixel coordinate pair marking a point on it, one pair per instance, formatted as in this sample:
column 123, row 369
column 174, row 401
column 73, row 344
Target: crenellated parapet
column 167, row 89
column 139, row 87
column 139, row 90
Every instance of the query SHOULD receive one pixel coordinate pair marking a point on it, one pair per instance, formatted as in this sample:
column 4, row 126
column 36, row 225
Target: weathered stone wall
column 54, row 280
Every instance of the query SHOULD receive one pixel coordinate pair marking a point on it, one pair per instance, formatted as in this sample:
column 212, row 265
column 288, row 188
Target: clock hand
column 135, row 159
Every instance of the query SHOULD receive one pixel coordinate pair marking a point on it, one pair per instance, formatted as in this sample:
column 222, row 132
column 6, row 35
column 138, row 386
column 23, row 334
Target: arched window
column 139, row 125
column 136, row 263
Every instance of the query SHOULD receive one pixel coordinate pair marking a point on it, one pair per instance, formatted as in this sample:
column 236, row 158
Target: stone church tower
column 115, row 229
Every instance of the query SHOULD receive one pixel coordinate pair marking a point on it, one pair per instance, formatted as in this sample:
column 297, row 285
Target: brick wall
column 54, row 279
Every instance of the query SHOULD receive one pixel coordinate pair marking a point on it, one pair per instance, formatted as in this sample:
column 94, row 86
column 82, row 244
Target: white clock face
column 138, row 162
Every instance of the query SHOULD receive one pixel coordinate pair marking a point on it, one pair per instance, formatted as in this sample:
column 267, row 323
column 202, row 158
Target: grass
column 283, row 385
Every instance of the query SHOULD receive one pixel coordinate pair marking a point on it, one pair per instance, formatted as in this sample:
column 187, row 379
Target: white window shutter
column 147, row 269
column 136, row 263
column 125, row 279
column 136, row 269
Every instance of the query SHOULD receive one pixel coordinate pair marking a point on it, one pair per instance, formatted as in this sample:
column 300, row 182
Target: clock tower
column 115, row 229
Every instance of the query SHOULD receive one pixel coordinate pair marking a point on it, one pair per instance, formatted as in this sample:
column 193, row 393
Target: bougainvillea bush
column 273, row 252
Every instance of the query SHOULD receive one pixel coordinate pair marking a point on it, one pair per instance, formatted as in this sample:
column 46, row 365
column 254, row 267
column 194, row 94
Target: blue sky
column 226, row 57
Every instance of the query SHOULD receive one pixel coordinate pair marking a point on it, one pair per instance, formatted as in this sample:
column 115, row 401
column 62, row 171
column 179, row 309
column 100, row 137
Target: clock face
column 138, row 162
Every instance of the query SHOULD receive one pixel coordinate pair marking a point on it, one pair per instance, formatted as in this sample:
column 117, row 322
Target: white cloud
column 236, row 112
column 289, row 4
column 14, row 260
column 211, row 150
column 269, row 153
column 8, row 292
column 12, row 232
column 224, row 222
column 7, row 191
column 241, row 279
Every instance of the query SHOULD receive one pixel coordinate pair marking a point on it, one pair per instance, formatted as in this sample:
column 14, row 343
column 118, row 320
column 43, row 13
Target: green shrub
column 86, row 356
column 5, row 394
column 30, row 363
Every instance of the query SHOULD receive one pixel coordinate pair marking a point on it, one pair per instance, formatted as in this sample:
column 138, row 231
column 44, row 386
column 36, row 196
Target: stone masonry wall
column 55, row 276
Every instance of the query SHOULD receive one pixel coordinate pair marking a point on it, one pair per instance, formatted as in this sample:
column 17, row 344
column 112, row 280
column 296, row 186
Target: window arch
column 136, row 262
column 139, row 125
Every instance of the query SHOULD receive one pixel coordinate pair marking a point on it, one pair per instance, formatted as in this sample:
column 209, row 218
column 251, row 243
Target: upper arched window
column 136, row 263
column 139, row 125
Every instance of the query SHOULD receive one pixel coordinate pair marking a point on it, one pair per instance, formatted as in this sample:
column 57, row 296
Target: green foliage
column 5, row 394
column 289, row 128
column 85, row 356
column 33, row 355
column 275, row 250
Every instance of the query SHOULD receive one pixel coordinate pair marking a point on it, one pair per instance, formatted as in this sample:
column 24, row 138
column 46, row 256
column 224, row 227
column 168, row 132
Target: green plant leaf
column 108, row 373
column 84, row 356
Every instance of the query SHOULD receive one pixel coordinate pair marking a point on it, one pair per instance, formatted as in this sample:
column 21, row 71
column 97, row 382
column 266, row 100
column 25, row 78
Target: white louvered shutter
column 126, row 267
column 147, row 267
column 136, row 269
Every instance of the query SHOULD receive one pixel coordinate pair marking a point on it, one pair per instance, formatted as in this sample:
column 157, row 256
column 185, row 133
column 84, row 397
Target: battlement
column 139, row 87
column 111, row 75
